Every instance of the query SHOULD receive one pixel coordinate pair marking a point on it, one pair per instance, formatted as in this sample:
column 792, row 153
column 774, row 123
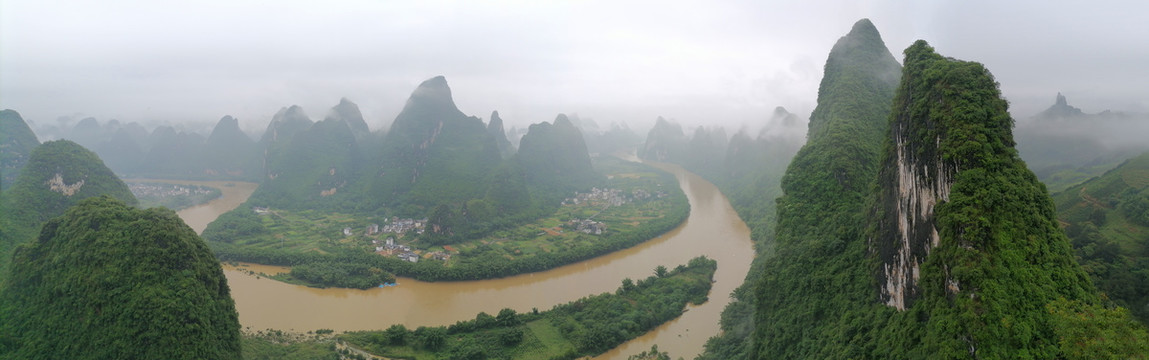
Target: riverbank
column 712, row 229
column 638, row 203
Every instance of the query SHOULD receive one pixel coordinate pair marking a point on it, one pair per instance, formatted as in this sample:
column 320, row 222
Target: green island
column 172, row 196
column 636, row 203
column 585, row 327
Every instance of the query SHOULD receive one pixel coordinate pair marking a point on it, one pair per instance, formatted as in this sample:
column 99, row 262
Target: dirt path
column 1091, row 199
column 341, row 345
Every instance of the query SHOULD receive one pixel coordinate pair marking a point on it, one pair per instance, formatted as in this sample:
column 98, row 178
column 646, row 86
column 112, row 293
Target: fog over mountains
column 699, row 63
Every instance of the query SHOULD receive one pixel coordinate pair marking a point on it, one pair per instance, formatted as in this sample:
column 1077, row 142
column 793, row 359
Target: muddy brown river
column 712, row 229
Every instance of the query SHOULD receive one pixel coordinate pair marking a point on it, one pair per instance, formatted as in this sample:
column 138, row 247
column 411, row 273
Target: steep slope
column 16, row 143
column 704, row 149
column 58, row 175
column 433, row 153
column 1107, row 220
column 495, row 128
column 107, row 281
column 820, row 274
column 283, row 126
column 554, row 159
column 313, row 170
column 664, row 142
column 230, row 153
column 966, row 238
column 348, row 112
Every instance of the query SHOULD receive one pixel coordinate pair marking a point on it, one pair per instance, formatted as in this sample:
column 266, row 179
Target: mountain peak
column 433, row 92
column 564, row 121
column 1060, row 109
column 349, row 113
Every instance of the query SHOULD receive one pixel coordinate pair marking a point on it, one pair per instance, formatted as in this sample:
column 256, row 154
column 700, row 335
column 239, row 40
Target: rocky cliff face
column 915, row 180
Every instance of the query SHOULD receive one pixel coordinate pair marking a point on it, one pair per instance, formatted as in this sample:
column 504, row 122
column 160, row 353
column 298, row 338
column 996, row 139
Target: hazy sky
column 705, row 62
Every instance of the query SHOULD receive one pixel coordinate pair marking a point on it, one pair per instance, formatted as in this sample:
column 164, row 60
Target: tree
column 507, row 317
column 431, row 338
column 396, row 334
column 660, row 271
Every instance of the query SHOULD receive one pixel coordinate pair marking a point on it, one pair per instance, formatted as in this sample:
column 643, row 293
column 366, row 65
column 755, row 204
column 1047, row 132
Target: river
column 712, row 229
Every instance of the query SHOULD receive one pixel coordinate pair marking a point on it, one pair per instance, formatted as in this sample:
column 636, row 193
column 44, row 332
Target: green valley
column 636, row 204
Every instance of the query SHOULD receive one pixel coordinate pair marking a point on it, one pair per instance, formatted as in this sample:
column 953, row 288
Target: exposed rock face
column 57, row 184
column 909, row 229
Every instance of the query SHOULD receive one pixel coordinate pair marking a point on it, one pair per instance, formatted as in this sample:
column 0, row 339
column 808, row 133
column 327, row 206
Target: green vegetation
column 999, row 281
column 108, row 281
column 1107, row 220
column 16, row 143
column 647, row 203
column 312, row 169
column 59, row 174
column 172, row 196
column 279, row 345
column 443, row 170
column 585, row 327
column 652, row 354
column 818, row 282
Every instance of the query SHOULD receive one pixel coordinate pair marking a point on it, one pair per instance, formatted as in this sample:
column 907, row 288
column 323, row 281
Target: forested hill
column 230, row 152
column 108, row 281
column 316, row 166
column 967, row 242
column 433, row 153
column 16, row 143
column 555, row 158
column 58, row 175
column 664, row 142
column 820, row 275
column 1107, row 220
column 955, row 252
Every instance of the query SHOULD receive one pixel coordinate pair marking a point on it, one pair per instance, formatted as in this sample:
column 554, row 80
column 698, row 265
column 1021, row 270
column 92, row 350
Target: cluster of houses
column 165, row 190
column 396, row 226
column 611, row 197
column 389, row 248
column 400, row 226
column 642, row 194
column 587, row 226
column 403, row 252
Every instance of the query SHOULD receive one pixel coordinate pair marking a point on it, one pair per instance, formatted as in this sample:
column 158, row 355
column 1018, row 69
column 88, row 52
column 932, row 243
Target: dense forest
column 58, row 175
column 938, row 244
column 1107, row 220
column 106, row 280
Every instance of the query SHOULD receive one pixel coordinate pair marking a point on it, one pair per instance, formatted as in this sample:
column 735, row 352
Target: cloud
column 699, row 62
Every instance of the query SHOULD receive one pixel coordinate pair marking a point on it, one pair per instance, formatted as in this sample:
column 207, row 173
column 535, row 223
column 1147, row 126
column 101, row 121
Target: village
column 611, row 197
column 396, row 228
column 166, row 190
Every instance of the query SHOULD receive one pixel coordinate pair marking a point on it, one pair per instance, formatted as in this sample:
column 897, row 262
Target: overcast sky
column 709, row 62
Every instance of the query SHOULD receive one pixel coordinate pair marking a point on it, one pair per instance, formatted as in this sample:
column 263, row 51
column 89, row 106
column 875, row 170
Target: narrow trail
column 1085, row 196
